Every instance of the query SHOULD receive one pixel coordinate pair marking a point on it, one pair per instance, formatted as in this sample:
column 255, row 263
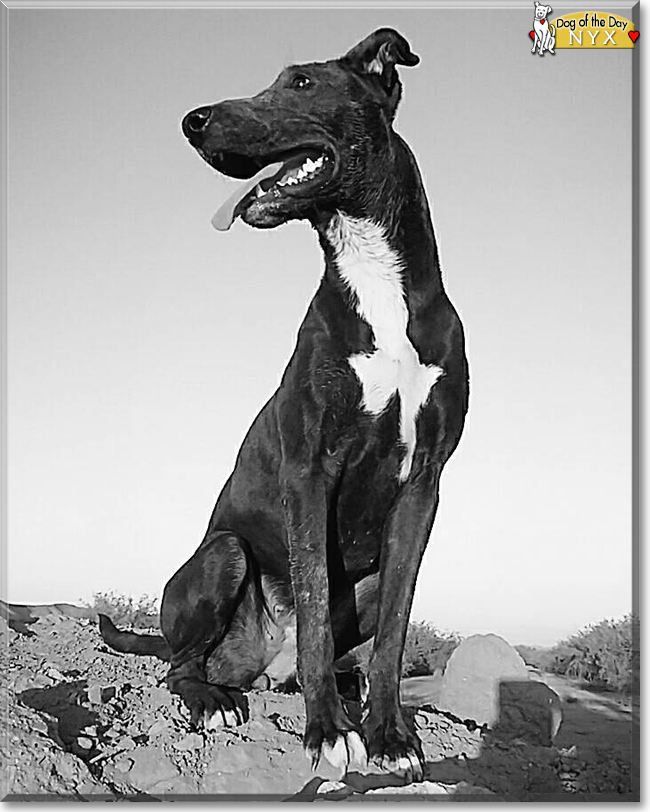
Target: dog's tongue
column 225, row 216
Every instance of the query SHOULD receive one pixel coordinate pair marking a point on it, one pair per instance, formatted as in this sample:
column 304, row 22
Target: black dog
column 322, row 525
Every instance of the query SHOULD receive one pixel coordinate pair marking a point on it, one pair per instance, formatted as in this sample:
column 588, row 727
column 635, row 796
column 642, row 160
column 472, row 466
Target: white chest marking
column 373, row 272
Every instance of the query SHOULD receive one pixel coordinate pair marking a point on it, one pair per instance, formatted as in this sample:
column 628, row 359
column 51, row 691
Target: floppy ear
column 378, row 54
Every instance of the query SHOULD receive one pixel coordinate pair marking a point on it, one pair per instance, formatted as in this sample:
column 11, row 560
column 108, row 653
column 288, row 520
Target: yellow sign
column 593, row 29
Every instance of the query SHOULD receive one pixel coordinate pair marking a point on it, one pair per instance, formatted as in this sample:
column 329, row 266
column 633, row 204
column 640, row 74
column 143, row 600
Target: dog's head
column 541, row 12
column 310, row 139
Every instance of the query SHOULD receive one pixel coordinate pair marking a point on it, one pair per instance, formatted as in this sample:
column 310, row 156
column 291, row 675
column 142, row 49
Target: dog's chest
column 373, row 273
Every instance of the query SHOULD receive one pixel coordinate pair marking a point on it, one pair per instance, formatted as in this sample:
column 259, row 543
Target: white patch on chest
column 373, row 272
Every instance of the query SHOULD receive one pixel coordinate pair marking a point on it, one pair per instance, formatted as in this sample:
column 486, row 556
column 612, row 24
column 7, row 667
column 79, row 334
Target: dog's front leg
column 391, row 743
column 328, row 731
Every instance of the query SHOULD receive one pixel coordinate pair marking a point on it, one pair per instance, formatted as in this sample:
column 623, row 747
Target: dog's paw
column 224, row 717
column 212, row 707
column 393, row 747
column 331, row 735
column 408, row 766
column 345, row 750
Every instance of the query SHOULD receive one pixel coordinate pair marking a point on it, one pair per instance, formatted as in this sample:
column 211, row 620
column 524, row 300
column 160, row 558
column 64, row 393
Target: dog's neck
column 384, row 245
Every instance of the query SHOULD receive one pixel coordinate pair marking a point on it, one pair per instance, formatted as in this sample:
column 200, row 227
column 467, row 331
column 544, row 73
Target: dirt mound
column 84, row 722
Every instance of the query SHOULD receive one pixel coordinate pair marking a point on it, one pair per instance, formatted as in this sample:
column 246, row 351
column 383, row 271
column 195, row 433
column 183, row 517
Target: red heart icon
column 633, row 35
column 531, row 34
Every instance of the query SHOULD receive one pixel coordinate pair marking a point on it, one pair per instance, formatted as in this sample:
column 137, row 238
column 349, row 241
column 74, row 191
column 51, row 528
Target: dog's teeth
column 301, row 174
column 258, row 191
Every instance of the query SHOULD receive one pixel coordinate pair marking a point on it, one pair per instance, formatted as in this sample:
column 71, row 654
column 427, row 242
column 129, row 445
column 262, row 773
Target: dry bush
column 426, row 649
column 603, row 655
column 126, row 611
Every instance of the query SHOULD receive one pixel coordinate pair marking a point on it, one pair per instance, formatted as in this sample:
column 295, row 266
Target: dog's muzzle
column 249, row 140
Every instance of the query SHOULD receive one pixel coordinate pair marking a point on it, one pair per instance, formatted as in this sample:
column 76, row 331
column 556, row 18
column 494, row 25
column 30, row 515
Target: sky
column 142, row 343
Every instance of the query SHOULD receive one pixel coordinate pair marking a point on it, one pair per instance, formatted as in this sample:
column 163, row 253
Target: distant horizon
column 85, row 603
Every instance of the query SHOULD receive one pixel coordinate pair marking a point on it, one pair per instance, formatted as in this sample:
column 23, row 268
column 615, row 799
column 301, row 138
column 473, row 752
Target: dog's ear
column 377, row 56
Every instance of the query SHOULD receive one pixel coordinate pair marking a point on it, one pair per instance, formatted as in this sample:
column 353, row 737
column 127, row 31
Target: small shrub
column 602, row 655
column 126, row 611
column 426, row 649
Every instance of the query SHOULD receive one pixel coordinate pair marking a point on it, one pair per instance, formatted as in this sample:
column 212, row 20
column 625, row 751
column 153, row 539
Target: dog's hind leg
column 198, row 605
column 391, row 743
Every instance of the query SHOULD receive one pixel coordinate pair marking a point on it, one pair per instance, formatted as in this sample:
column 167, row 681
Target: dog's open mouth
column 296, row 173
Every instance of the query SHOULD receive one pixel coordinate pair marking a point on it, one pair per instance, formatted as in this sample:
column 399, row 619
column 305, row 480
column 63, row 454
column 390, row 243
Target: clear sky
column 141, row 343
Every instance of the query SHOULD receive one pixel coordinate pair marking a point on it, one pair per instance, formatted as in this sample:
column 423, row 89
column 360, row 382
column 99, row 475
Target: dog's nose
column 196, row 121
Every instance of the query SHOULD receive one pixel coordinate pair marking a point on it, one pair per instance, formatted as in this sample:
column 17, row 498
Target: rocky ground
column 86, row 723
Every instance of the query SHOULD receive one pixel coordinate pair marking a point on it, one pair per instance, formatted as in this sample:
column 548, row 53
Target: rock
column 123, row 765
column 6, row 632
column 99, row 695
column 161, row 727
column 285, row 723
column 39, row 725
column 126, row 743
column 190, row 742
column 54, row 674
column 143, row 768
column 133, row 736
column 95, row 694
column 36, row 765
column 474, row 672
column 529, row 710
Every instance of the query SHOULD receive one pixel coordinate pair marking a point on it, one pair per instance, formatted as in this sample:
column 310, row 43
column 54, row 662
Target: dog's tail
column 130, row 642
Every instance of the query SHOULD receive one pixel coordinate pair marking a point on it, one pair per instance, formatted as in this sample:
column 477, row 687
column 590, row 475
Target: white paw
column 347, row 750
column 223, row 718
column 409, row 766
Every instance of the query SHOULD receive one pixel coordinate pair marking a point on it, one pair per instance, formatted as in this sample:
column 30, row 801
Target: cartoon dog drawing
column 544, row 32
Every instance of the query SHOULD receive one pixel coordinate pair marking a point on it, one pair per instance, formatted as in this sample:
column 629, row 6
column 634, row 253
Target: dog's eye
column 300, row 82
